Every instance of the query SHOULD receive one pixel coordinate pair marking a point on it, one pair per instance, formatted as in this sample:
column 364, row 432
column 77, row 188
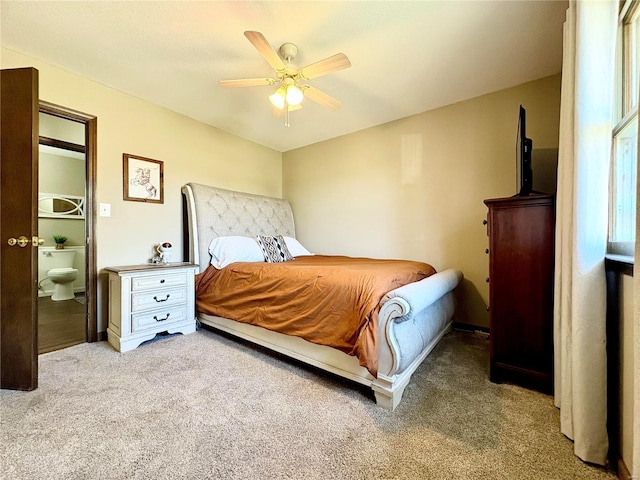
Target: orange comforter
column 328, row 300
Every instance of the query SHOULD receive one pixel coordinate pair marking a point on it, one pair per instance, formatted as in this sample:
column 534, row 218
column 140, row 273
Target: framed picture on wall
column 143, row 179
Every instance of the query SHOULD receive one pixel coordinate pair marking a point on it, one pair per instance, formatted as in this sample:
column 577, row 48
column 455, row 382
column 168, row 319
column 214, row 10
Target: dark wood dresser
column 521, row 232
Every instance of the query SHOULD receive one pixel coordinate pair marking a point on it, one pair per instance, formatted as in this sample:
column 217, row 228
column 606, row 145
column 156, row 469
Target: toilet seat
column 58, row 271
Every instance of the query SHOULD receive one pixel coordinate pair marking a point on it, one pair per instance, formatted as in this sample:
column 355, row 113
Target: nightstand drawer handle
column 162, row 299
column 161, row 319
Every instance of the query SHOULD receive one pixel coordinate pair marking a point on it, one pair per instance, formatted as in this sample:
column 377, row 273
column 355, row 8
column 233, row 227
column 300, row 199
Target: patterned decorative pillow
column 274, row 248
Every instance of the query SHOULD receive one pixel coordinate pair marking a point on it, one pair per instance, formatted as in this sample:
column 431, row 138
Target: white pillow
column 295, row 247
column 230, row 249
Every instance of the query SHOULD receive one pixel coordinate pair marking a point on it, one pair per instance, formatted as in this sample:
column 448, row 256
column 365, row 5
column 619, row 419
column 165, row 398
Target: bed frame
column 412, row 318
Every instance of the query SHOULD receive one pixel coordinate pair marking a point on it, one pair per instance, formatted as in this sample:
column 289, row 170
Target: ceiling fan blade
column 336, row 62
column 265, row 49
column 321, row 97
column 247, row 82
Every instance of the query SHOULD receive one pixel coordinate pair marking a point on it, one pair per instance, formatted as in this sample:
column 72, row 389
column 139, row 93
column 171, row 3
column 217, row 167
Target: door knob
column 22, row 241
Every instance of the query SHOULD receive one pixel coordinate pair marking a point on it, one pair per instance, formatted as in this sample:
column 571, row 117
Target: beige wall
column 414, row 188
column 61, row 129
column 191, row 152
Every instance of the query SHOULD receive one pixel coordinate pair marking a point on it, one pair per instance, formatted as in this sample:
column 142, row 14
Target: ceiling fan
column 289, row 95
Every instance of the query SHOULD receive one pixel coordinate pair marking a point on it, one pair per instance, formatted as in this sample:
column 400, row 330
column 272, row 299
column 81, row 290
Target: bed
column 411, row 318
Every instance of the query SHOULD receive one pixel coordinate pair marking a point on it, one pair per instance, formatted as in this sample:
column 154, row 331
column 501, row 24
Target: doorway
column 67, row 309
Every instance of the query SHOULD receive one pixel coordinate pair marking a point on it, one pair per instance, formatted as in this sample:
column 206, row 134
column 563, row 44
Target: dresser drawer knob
column 162, row 281
column 161, row 319
column 162, row 299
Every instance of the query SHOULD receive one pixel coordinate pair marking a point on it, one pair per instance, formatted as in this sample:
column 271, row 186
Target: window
column 622, row 224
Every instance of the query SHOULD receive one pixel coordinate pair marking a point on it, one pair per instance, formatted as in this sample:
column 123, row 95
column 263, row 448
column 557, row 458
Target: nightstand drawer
column 158, row 299
column 159, row 281
column 157, row 318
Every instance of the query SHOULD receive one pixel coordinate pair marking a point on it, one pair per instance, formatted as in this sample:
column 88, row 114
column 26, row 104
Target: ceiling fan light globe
column 277, row 98
column 294, row 95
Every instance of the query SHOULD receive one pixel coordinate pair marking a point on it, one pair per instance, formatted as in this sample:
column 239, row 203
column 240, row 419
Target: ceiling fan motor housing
column 288, row 52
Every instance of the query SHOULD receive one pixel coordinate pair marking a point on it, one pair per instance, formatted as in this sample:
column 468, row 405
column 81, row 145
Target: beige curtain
column 581, row 225
column 635, row 467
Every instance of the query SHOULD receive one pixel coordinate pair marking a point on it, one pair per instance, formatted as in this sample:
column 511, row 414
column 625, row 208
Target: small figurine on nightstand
column 164, row 253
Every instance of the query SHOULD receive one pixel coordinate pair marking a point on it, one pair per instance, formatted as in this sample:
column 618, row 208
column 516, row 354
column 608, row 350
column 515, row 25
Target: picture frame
column 143, row 179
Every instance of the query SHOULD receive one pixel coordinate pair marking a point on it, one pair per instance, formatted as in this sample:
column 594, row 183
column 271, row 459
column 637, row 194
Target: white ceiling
column 407, row 56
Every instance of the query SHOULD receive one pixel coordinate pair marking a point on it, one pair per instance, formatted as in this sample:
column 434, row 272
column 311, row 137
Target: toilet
column 58, row 265
column 62, row 279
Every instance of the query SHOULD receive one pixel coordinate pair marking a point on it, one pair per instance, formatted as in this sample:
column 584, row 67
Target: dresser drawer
column 156, row 319
column 158, row 299
column 158, row 281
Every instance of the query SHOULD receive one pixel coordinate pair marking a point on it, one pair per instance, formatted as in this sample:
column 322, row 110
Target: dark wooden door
column 19, row 228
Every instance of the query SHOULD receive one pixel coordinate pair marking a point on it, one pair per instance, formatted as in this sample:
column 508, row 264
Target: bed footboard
column 413, row 319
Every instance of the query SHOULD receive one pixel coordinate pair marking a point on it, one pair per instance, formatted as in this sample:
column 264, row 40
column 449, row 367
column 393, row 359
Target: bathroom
column 62, row 309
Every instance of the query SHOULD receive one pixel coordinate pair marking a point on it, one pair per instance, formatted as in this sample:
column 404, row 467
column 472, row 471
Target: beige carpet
column 205, row 406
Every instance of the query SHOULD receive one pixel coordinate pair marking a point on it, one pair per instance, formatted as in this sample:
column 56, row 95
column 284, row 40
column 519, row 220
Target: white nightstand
column 145, row 300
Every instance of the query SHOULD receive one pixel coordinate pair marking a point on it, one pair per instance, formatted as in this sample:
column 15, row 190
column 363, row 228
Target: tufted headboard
column 210, row 212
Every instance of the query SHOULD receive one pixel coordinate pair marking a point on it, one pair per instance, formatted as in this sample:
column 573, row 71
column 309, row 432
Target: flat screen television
column 524, row 146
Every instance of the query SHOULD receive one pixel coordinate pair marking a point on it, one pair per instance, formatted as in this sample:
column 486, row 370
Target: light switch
column 105, row 209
